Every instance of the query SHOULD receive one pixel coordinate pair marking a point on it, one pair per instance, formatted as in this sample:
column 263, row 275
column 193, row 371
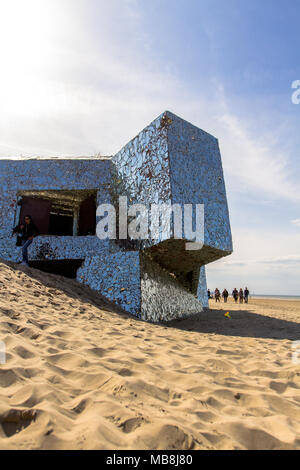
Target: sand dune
column 79, row 374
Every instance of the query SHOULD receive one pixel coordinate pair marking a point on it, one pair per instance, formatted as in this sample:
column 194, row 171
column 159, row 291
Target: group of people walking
column 242, row 295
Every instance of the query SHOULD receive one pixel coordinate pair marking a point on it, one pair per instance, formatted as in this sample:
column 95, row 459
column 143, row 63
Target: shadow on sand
column 243, row 323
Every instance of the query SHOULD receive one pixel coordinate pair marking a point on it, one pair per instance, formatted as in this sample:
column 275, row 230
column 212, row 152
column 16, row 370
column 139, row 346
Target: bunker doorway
column 67, row 267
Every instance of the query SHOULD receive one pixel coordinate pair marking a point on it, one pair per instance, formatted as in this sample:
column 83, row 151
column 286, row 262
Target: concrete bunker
column 169, row 162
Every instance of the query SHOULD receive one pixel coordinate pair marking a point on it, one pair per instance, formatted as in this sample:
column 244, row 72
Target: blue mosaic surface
column 170, row 161
column 38, row 175
column 197, row 178
column 116, row 276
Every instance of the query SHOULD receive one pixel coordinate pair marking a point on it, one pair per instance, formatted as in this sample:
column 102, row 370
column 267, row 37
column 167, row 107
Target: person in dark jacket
column 28, row 232
column 225, row 295
column 217, row 295
column 246, row 295
column 235, row 294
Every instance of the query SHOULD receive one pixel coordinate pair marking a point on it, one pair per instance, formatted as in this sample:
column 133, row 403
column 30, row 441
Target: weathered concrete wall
column 142, row 166
column 50, row 248
column 197, row 178
column 163, row 297
column 202, row 288
column 142, row 172
column 139, row 285
column 116, row 276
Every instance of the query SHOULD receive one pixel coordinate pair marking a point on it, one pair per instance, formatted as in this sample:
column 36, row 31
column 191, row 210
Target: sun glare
column 28, row 32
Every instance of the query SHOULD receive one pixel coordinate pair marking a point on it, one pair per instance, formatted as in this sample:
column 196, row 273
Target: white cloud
column 254, row 162
column 276, row 260
column 282, row 260
column 296, row 222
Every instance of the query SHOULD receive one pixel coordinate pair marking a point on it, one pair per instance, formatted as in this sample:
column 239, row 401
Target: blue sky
column 82, row 77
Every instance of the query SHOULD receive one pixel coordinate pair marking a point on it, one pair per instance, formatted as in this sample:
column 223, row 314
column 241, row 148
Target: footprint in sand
column 23, row 352
column 131, row 424
column 15, row 421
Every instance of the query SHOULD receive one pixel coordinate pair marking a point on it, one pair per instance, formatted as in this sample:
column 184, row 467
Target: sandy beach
column 80, row 374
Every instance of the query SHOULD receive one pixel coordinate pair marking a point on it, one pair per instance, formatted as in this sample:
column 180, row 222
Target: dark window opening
column 61, row 213
column 87, row 217
column 61, row 221
column 60, row 225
